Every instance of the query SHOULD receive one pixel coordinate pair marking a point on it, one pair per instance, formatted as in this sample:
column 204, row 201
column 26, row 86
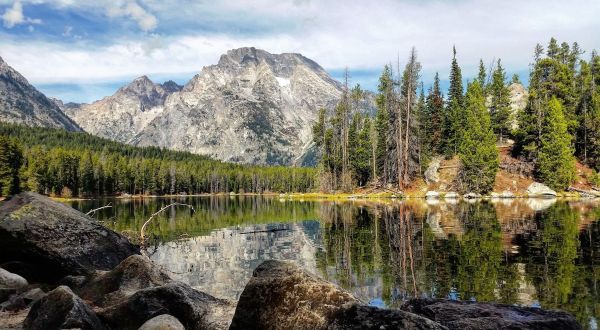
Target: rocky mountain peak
column 171, row 87
column 21, row 103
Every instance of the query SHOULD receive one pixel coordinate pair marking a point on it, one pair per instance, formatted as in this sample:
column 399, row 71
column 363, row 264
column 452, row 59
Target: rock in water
column 11, row 281
column 537, row 189
column 462, row 315
column 61, row 309
column 133, row 274
column 194, row 309
column 56, row 239
column 280, row 295
column 162, row 322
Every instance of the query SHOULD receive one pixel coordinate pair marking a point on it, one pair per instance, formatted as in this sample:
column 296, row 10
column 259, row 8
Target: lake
column 530, row 252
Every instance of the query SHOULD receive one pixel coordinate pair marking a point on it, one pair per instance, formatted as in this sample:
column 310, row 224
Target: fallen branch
column 142, row 236
column 90, row 212
column 265, row 231
column 585, row 192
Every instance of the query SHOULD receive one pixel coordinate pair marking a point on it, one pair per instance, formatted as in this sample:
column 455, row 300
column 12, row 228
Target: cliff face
column 21, row 103
column 252, row 107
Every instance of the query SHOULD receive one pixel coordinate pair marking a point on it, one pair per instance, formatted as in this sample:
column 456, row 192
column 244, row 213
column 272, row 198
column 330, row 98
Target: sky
column 81, row 51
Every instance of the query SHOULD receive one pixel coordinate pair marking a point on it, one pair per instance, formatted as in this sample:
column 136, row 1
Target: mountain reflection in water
column 529, row 252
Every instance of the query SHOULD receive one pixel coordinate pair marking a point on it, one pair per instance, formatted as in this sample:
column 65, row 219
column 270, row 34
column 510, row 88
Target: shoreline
column 344, row 196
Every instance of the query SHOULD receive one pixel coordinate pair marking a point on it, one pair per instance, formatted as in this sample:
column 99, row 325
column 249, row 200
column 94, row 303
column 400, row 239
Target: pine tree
column 481, row 76
column 555, row 162
column 500, row 109
column 478, row 152
column 362, row 155
column 11, row 159
column 433, row 119
column 454, row 113
column 515, row 79
column 384, row 103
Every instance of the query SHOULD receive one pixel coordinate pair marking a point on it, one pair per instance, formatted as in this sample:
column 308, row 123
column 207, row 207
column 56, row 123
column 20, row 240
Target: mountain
column 21, row 103
column 126, row 113
column 518, row 101
column 252, row 107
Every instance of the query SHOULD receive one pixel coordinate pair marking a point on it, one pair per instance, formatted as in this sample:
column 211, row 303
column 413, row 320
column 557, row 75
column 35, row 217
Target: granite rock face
column 252, row 107
column 55, row 240
column 21, row 103
column 461, row 315
column 280, row 295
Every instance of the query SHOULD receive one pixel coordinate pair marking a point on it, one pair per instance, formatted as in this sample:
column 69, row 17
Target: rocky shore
column 60, row 269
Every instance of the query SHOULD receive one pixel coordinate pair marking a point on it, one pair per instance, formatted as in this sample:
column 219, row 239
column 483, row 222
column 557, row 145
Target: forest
column 60, row 163
column 558, row 126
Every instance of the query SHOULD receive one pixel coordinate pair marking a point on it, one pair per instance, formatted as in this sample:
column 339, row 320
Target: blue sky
column 84, row 50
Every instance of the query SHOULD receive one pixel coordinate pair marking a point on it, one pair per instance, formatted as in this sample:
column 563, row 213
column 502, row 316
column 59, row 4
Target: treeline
column 61, row 163
column 412, row 126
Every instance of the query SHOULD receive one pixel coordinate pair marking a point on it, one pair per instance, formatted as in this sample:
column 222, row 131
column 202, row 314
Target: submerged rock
column 57, row 240
column 162, row 322
column 61, row 309
column 537, row 189
column 131, row 275
column 280, row 295
column 462, row 315
column 194, row 309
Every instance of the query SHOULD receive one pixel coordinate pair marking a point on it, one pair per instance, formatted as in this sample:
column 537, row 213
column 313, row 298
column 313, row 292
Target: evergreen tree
column 515, row 79
column 11, row 159
column 384, row 103
column 433, row 117
column 478, row 152
column 362, row 155
column 500, row 109
column 454, row 120
column 555, row 162
column 481, row 76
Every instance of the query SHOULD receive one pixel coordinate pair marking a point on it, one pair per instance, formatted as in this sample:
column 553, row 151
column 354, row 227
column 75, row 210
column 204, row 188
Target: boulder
column 162, row 322
column 56, row 239
column 11, row 281
column 280, row 295
column 451, row 195
column 131, row 275
column 194, row 309
column 472, row 195
column 432, row 195
column 507, row 194
column 431, row 174
column 21, row 301
column 5, row 293
column 537, row 189
column 61, row 309
column 462, row 315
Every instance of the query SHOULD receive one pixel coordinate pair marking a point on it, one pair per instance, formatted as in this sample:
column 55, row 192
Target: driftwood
column 142, row 236
column 585, row 192
column 265, row 231
column 90, row 212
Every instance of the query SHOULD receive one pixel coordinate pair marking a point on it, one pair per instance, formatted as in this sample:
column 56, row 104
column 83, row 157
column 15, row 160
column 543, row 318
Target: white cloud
column 14, row 16
column 145, row 20
column 356, row 34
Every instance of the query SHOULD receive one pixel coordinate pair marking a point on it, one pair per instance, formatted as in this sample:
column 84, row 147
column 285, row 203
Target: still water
column 528, row 252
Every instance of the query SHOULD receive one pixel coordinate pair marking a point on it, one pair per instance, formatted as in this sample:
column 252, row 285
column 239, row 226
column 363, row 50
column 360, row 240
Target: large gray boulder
column 461, row 315
column 61, row 309
column 194, row 309
column 11, row 281
column 280, row 295
column 431, row 174
column 537, row 189
column 131, row 275
column 57, row 240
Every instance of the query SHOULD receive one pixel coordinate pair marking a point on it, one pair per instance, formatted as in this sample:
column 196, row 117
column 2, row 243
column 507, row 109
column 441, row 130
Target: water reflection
column 535, row 253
